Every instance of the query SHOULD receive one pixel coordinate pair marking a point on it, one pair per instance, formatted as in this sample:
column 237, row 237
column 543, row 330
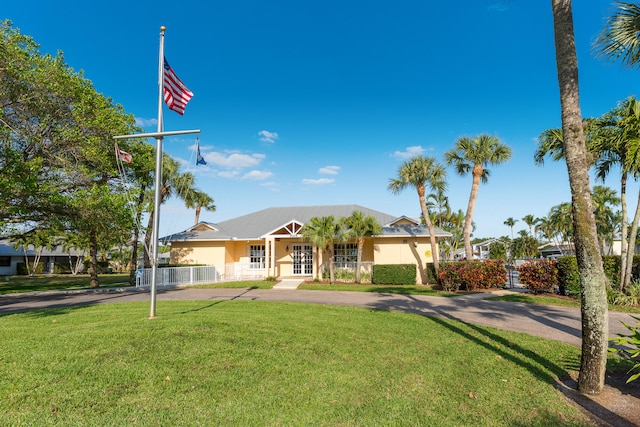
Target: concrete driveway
column 552, row 322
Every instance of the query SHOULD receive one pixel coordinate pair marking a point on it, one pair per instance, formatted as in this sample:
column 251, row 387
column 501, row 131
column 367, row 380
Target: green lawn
column 17, row 284
column 552, row 300
column 252, row 363
column 385, row 289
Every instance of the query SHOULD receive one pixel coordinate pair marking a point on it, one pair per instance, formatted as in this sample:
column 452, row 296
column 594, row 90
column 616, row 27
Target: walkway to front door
column 288, row 284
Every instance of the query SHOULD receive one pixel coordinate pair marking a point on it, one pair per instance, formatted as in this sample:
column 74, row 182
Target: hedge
column 394, row 274
column 472, row 275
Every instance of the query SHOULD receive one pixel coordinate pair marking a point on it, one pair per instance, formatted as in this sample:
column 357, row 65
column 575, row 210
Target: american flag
column 123, row 155
column 176, row 94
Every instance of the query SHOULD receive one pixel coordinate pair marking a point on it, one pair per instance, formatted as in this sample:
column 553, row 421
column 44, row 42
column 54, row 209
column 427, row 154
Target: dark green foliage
column 630, row 346
column 394, row 274
column 568, row 277
column 539, row 275
column 611, row 264
column 21, row 269
column 472, row 275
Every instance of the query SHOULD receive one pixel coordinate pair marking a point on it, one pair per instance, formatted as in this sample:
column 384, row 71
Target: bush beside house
column 472, row 275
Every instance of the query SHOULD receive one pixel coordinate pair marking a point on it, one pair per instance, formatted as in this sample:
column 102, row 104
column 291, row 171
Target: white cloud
column 329, row 170
column 266, row 136
column 257, row 175
column 232, row 160
column 409, row 152
column 144, row 123
column 228, row 174
column 320, row 181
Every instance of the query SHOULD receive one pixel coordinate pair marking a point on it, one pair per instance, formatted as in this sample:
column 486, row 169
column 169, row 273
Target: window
column 5, row 261
column 257, row 256
column 345, row 255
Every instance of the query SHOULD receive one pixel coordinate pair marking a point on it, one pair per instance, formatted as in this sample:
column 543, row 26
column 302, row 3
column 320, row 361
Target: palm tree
column 359, row 227
column 323, row 232
column 603, row 199
column 510, row 222
column 199, row 200
column 474, row 155
column 618, row 145
column 420, row 172
column 530, row 220
column 593, row 280
column 619, row 38
column 440, row 203
column 173, row 182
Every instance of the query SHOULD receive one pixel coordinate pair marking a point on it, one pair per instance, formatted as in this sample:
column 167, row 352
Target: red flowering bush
column 540, row 275
column 472, row 275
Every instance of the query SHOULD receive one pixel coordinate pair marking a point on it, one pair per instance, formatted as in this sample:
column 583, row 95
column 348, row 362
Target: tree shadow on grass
column 541, row 367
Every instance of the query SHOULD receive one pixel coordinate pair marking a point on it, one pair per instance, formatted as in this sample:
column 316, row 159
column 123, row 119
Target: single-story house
column 10, row 257
column 269, row 241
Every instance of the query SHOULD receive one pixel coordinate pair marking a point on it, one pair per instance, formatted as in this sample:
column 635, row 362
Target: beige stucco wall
column 379, row 250
column 207, row 253
column 397, row 250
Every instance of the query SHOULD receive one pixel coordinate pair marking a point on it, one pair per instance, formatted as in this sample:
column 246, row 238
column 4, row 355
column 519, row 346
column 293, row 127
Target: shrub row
column 540, row 275
column 472, row 275
column 394, row 274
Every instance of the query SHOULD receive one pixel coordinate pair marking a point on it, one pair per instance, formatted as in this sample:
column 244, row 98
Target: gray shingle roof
column 258, row 224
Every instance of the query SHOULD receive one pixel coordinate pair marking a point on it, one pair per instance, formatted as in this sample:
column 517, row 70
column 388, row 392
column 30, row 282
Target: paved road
column 556, row 323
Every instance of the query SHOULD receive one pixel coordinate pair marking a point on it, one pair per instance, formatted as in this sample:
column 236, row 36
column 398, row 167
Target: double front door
column 302, row 260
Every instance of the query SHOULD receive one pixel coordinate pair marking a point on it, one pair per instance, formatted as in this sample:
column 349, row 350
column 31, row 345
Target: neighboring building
column 269, row 242
column 479, row 250
column 10, row 257
column 550, row 251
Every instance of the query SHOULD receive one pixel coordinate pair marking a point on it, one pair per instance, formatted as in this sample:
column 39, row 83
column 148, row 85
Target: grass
column 545, row 299
column 246, row 363
column 253, row 284
column 385, row 289
column 18, row 284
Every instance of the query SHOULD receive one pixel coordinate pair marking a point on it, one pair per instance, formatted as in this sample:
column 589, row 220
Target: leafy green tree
column 359, row 227
column 323, row 232
column 592, row 278
column 421, row 172
column 473, row 155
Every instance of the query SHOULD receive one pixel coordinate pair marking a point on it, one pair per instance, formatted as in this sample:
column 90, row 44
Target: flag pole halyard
column 159, row 136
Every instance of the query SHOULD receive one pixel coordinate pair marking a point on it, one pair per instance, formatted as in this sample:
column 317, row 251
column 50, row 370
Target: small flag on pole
column 124, row 156
column 176, row 94
column 199, row 159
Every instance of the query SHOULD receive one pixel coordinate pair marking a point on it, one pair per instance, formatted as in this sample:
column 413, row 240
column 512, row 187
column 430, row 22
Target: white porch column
column 267, row 255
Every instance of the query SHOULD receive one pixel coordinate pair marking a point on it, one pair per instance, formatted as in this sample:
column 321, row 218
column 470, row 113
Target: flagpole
column 159, row 136
column 158, row 184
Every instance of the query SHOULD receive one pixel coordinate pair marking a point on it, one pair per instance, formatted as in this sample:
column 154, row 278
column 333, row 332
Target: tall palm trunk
column 624, row 245
column 198, row 208
column 592, row 279
column 134, row 240
column 93, row 260
column 475, row 185
column 147, row 241
column 432, row 231
column 631, row 247
column 359, row 258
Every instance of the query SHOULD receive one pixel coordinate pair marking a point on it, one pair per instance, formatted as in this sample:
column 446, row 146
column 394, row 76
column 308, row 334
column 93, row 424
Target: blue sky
column 313, row 103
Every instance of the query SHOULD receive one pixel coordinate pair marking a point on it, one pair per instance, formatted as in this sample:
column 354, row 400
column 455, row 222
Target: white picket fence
column 175, row 276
